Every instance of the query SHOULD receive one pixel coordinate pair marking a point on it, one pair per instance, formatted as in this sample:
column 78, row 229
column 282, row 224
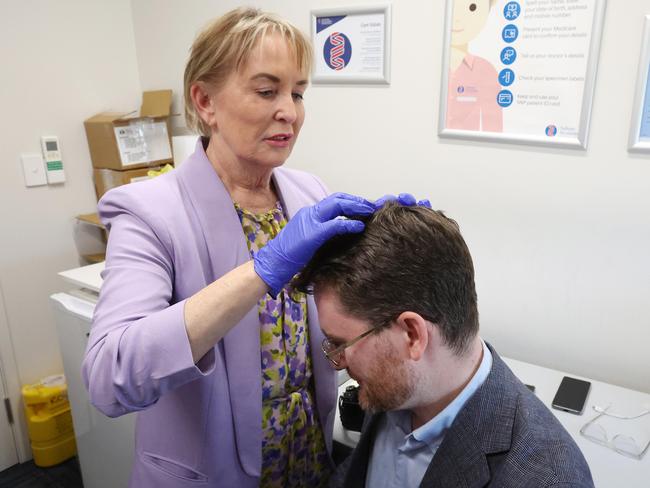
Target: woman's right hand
column 286, row 254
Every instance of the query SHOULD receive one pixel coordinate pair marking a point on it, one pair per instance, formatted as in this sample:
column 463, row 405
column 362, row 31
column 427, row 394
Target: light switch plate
column 33, row 169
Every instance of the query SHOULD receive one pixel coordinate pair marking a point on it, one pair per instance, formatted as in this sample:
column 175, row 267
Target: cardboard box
column 105, row 179
column 122, row 141
column 90, row 238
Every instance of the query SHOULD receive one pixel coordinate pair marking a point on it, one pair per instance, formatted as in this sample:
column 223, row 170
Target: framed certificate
column 351, row 45
column 640, row 126
column 520, row 71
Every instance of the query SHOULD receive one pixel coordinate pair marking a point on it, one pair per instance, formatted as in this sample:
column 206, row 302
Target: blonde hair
column 225, row 45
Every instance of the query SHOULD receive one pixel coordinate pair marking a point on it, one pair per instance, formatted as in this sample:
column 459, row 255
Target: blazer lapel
column 227, row 249
column 321, row 369
column 459, row 462
column 358, row 467
column 482, row 428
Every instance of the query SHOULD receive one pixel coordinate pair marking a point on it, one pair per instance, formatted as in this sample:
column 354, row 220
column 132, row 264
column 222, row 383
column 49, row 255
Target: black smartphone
column 571, row 396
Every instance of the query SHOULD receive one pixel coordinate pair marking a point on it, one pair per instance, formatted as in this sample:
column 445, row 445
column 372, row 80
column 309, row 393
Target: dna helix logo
column 337, row 51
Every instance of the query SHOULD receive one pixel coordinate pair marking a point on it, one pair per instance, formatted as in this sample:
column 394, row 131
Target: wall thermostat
column 53, row 160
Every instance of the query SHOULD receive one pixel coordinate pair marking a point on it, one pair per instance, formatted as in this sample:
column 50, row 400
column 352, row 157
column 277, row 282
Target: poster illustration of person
column 473, row 83
column 520, row 71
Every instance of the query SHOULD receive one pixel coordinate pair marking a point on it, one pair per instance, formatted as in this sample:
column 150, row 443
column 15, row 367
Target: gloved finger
column 345, row 196
column 343, row 204
column 340, row 196
column 382, row 200
column 424, row 203
column 341, row 226
column 406, row 199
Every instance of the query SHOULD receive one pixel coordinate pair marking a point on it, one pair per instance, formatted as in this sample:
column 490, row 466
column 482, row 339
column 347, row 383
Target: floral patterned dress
column 293, row 446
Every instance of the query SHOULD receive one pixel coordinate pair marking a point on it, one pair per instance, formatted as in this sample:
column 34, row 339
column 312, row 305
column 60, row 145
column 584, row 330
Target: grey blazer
column 504, row 437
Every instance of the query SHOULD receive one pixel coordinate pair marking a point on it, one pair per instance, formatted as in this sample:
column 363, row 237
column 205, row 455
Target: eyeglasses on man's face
column 335, row 352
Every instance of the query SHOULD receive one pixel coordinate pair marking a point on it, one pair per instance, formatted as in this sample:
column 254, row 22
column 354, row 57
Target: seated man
column 397, row 304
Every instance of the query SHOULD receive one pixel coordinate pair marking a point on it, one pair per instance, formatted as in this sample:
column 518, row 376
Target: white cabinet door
column 105, row 446
column 8, row 452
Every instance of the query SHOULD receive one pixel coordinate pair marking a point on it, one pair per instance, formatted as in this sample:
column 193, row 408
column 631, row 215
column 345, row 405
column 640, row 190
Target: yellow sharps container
column 49, row 422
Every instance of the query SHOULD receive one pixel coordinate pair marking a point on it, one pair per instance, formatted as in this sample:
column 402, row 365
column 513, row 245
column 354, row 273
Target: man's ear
column 201, row 95
column 415, row 330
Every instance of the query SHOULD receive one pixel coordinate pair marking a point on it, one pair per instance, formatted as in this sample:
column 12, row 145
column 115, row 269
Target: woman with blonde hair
column 195, row 328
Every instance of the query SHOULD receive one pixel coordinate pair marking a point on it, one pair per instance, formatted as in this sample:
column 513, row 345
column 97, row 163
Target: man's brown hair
column 407, row 259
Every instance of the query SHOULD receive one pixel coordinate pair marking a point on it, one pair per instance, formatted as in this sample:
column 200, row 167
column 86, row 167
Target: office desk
column 608, row 468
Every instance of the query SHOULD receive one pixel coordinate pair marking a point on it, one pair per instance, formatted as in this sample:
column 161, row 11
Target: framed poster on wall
column 520, row 71
column 640, row 126
column 351, row 45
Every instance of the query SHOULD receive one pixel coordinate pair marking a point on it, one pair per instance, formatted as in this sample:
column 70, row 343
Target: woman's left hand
column 405, row 199
column 286, row 254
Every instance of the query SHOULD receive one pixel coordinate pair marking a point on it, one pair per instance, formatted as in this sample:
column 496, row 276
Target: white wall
column 560, row 238
column 61, row 63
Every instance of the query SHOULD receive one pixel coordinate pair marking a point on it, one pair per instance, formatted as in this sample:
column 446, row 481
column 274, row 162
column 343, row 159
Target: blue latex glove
column 286, row 254
column 405, row 199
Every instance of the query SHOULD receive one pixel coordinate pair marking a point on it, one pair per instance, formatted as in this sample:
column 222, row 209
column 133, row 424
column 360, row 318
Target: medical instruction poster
column 351, row 46
column 640, row 127
column 520, row 70
column 644, row 131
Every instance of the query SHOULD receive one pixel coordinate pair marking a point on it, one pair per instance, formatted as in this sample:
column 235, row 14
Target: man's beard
column 389, row 384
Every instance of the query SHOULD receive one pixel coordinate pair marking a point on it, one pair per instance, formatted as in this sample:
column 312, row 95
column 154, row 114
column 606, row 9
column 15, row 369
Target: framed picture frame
column 640, row 126
column 520, row 72
column 351, row 44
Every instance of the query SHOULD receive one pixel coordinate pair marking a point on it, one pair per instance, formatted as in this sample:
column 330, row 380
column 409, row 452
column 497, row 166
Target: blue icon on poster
column 506, row 77
column 512, row 10
column 504, row 98
column 510, row 33
column 337, row 51
column 461, row 89
column 508, row 55
column 550, row 130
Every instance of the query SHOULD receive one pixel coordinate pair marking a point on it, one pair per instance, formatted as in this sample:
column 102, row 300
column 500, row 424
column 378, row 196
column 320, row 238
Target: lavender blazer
column 198, row 424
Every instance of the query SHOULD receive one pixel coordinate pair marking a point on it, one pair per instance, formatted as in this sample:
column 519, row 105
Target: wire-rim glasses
column 335, row 353
column 620, row 443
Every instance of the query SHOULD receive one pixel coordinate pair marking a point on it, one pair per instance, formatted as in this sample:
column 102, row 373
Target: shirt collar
column 434, row 430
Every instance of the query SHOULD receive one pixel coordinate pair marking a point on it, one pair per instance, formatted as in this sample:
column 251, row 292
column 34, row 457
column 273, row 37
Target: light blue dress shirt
column 400, row 457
